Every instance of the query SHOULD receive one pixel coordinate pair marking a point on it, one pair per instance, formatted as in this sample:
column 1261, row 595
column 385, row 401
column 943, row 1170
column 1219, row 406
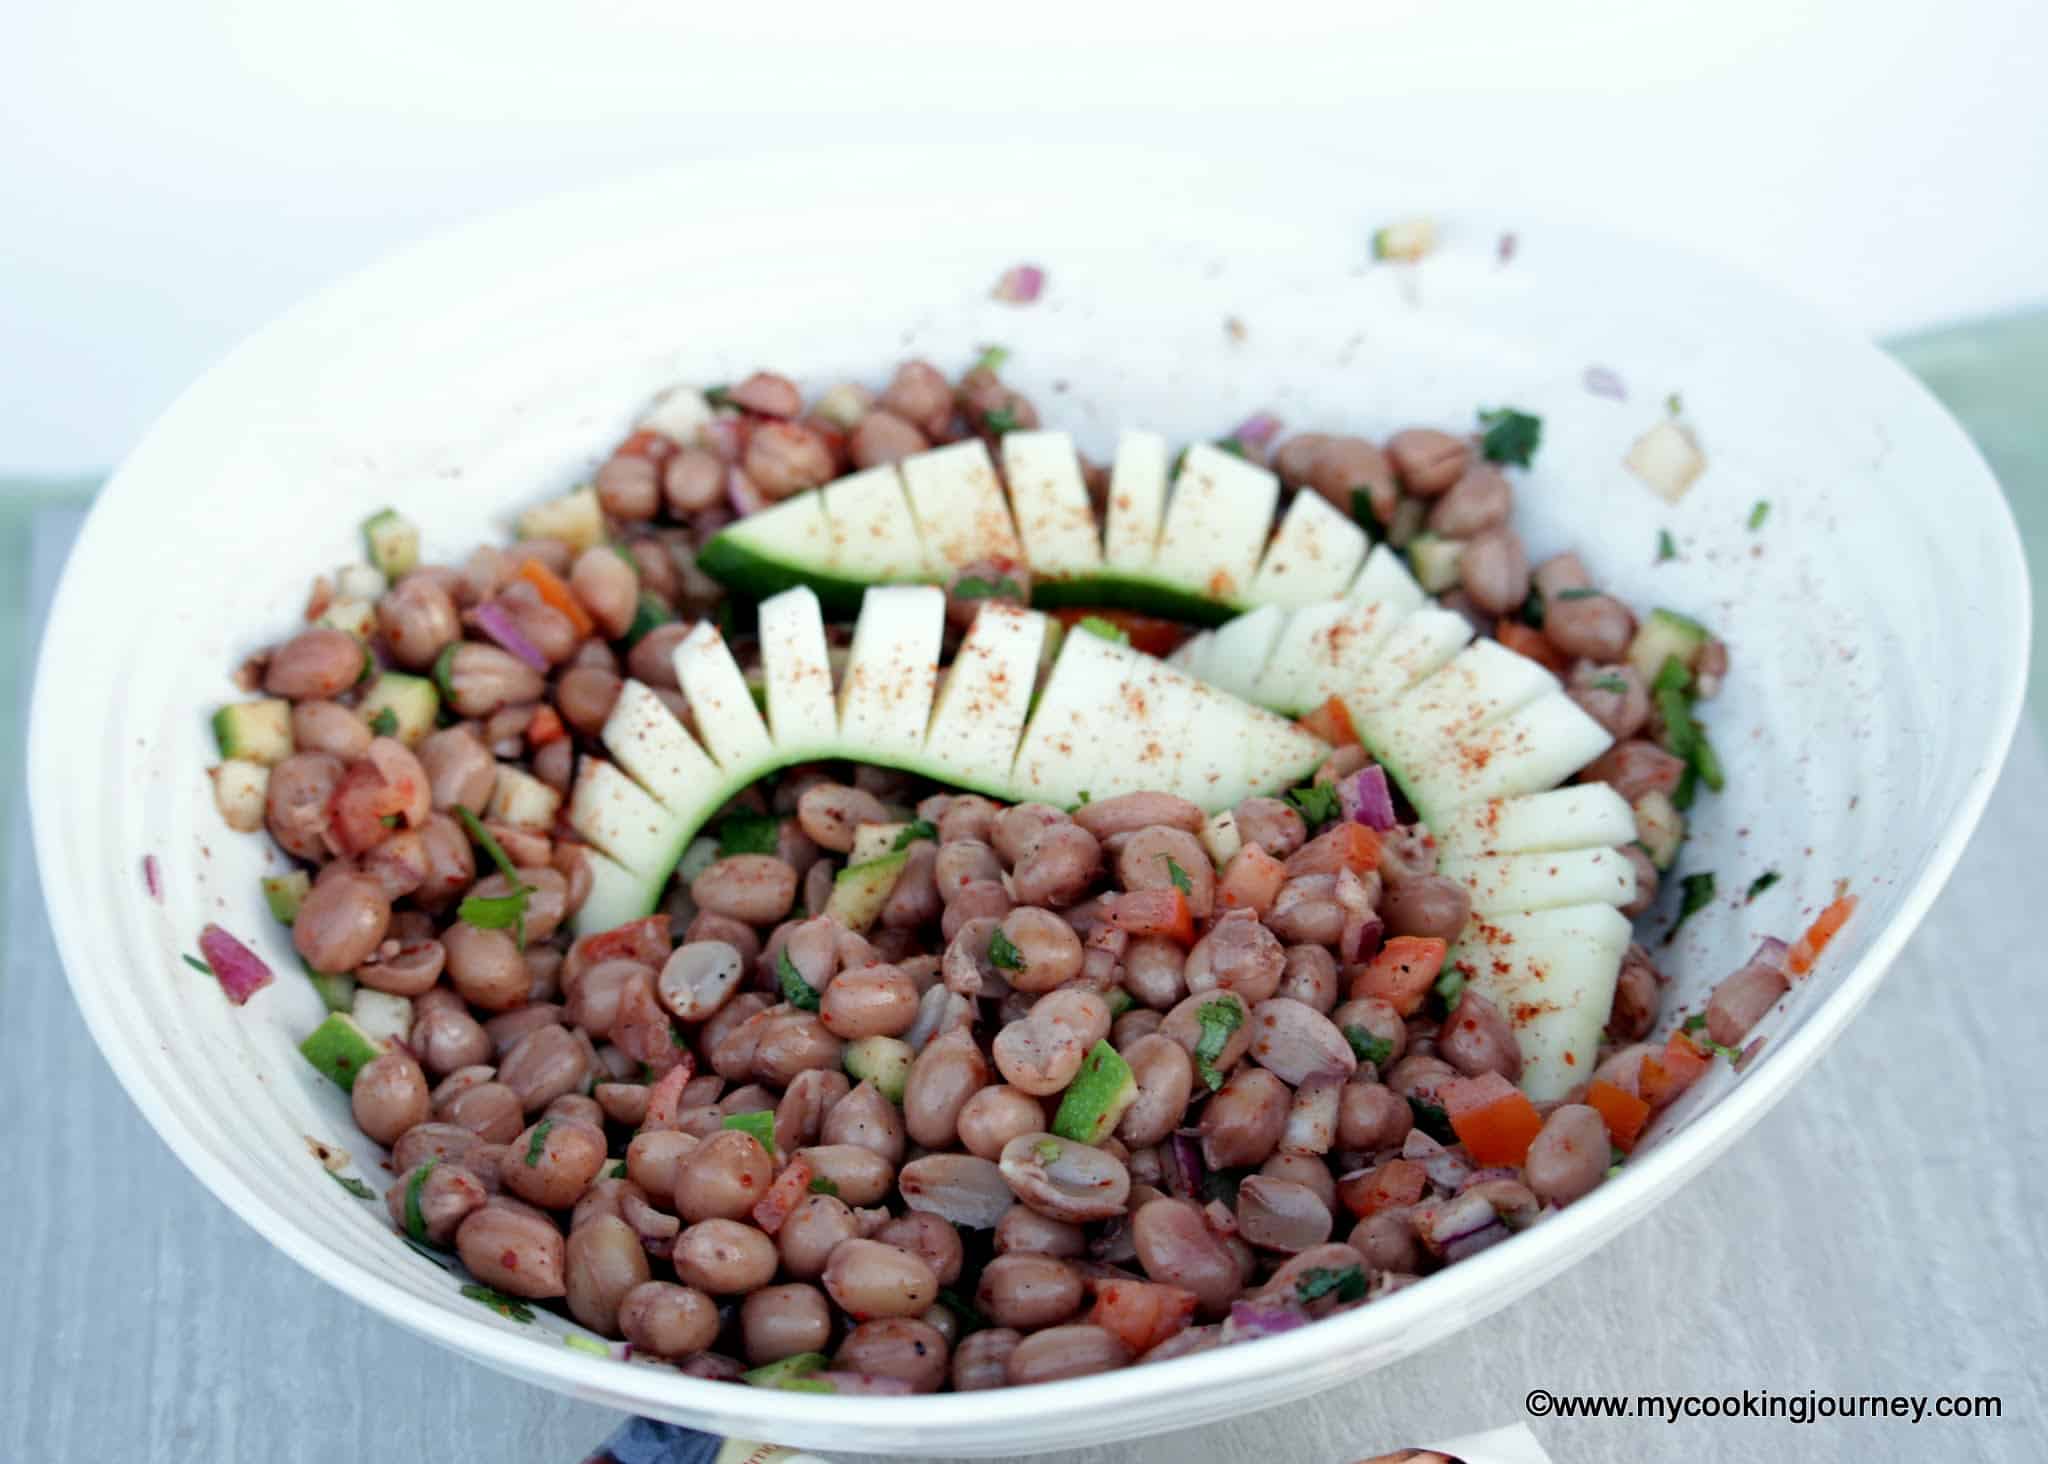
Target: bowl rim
column 1483, row 1283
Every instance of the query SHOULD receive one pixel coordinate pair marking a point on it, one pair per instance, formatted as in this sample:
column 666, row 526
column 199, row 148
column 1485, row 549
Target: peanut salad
column 860, row 898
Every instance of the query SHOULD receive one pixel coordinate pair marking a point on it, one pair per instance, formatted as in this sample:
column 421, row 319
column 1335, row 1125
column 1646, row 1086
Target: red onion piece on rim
column 1602, row 382
column 240, row 970
column 1771, row 952
column 1257, row 430
column 495, row 621
column 1250, row 1319
column 153, row 878
column 1021, row 284
column 1366, row 798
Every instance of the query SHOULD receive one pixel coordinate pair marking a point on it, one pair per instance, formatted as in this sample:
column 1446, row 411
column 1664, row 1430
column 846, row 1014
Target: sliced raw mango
column 778, row 548
column 803, row 712
column 874, row 536
column 1552, row 974
column 959, row 506
column 722, row 704
column 1386, row 580
column 1578, row 816
column 1137, row 501
column 1242, row 649
column 1315, row 555
column 1535, row 748
column 885, row 698
column 1050, row 502
column 624, row 821
column 1419, row 645
column 1217, row 521
column 1075, row 726
column 1500, row 883
column 983, row 700
column 652, row 747
column 1477, row 687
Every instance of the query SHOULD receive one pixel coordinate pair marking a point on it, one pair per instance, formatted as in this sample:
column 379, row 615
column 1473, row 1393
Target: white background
column 173, row 175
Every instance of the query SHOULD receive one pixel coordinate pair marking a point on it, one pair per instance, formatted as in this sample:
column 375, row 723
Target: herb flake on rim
column 353, row 1185
column 1761, row 883
column 499, row 1302
column 1699, row 893
column 415, row 1221
column 196, row 964
column 1667, row 547
column 1511, row 436
column 1757, row 514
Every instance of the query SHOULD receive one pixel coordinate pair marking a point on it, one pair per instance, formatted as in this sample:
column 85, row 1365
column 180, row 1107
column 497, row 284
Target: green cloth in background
column 1992, row 374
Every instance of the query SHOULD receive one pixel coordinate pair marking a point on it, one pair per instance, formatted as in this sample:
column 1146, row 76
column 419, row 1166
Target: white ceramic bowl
column 1878, row 619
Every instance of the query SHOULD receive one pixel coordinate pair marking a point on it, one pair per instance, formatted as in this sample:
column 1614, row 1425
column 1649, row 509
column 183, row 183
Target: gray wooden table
column 1882, row 1231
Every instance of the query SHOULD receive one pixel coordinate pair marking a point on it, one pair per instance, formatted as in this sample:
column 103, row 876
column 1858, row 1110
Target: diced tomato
column 1151, row 634
column 650, row 445
column 1153, row 912
column 558, row 595
column 1806, row 950
column 1331, row 723
column 1386, row 1186
column 1142, row 1314
column 1350, row 846
column 1250, row 881
column 1492, row 1117
column 646, row 940
column 1526, row 640
column 362, row 800
column 1624, row 1114
column 545, row 727
column 788, row 1191
column 665, row 1098
column 1403, row 972
column 1667, row 1074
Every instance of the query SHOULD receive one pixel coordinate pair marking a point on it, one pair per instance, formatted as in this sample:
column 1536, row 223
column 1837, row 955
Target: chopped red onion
column 240, row 970
column 1748, row 1054
column 845, row 1383
column 1257, row 430
column 495, row 621
column 742, row 493
column 1249, row 1319
column 1771, row 952
column 1021, row 284
column 152, row 878
column 1504, row 251
column 1361, row 938
column 1604, row 383
column 1365, row 798
column 1481, row 1176
column 1185, row 1170
column 1477, row 1241
column 1444, row 1168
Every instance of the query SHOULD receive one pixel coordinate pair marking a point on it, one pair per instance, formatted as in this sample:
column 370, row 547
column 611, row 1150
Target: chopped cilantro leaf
column 1609, row 682
column 1450, row 986
column 761, row 1125
column 1003, row 953
column 538, row 1144
column 1108, row 630
column 918, row 829
column 1346, row 1283
column 488, row 906
column 354, row 1186
column 1688, row 784
column 992, row 359
column 198, row 965
column 1532, row 609
column 1000, row 420
column 389, row 820
column 1178, row 875
column 1671, row 676
column 1667, row 547
column 1699, row 893
column 795, row 990
column 1361, row 509
column 1120, row 1001
column 1759, row 513
column 428, row 1251
column 1083, row 802
column 1716, row 1049
column 1674, row 404
column 1511, row 436
column 1693, row 1023
column 385, row 723
column 1761, row 883
column 1317, row 803
column 492, row 912
column 823, row 1186
column 1230, row 445
column 1615, row 1158
column 618, row 1170
column 748, row 833
column 1218, row 1020
column 415, row 1221
column 1367, row 1047
column 499, row 1302
column 974, row 587
column 718, row 396
column 964, row 1311
column 1433, row 1120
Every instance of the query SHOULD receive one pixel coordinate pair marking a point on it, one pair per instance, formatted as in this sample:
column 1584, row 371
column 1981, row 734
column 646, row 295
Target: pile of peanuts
column 561, row 1114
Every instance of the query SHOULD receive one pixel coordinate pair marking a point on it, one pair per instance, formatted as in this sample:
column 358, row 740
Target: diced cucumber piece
column 617, row 894
column 1500, row 883
column 861, row 890
column 961, row 514
column 1418, row 646
column 355, row 616
column 1242, row 649
column 1385, row 580
column 1325, row 650
column 359, row 582
column 575, row 518
column 1218, row 520
column 1578, row 816
column 255, row 731
column 1435, row 561
column 393, row 543
column 874, row 535
column 883, row 1061
column 1314, row 556
column 1666, row 635
column 1050, row 500
column 1192, row 654
column 284, row 893
column 336, row 992
column 698, row 857
column 240, row 790
column 1660, row 827
column 979, row 713
column 885, row 701
column 872, row 841
column 1553, row 973
column 645, row 739
column 803, row 713
column 522, row 800
column 1159, row 705
column 1097, row 1097
column 618, row 816
column 340, row 1049
column 1535, row 748
column 383, row 1018
column 1220, row 836
column 677, row 414
column 722, row 706
column 1063, row 747
column 1137, row 501
column 1476, row 688
column 414, row 703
